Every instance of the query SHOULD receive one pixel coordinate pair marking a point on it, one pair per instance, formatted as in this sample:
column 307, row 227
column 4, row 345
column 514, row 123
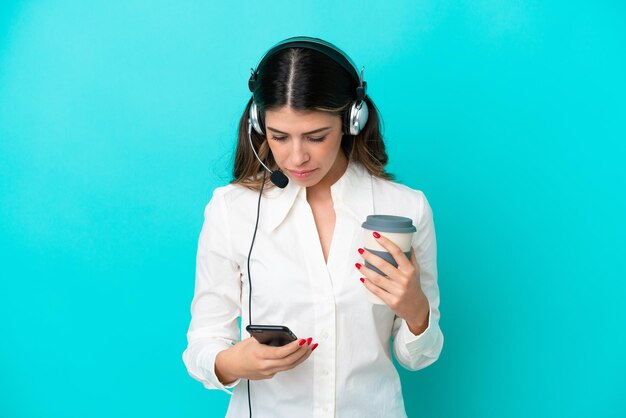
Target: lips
column 301, row 174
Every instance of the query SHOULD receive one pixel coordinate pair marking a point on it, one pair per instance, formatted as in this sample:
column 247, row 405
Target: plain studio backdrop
column 118, row 119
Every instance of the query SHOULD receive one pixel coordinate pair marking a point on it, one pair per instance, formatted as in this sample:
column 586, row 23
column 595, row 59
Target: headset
column 353, row 121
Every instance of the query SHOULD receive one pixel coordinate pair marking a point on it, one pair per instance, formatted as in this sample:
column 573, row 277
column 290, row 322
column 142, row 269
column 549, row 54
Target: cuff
column 206, row 362
column 423, row 343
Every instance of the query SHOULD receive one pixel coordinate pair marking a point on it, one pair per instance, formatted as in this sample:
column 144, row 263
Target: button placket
column 325, row 318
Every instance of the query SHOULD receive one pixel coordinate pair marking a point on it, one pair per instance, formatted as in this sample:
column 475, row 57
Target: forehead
column 288, row 119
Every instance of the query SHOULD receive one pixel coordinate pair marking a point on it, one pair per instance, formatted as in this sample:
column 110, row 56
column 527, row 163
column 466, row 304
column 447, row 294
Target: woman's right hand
column 249, row 359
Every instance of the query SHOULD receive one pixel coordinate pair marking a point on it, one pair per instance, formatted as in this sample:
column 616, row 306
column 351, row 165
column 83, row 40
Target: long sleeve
column 217, row 295
column 416, row 352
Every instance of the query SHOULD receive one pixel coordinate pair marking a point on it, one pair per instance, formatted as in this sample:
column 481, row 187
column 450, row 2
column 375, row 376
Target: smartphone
column 274, row 335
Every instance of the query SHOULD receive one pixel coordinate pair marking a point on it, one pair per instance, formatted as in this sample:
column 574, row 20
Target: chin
column 307, row 183
column 304, row 182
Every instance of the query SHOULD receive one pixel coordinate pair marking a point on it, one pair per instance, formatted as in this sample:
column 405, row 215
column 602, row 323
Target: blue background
column 118, row 119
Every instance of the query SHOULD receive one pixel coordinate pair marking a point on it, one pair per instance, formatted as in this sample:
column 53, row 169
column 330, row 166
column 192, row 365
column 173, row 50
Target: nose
column 299, row 153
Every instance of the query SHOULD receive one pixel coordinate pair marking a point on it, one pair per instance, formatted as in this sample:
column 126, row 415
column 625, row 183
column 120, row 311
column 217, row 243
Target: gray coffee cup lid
column 389, row 223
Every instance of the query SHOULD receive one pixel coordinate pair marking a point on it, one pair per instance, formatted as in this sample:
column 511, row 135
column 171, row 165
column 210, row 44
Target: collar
column 352, row 191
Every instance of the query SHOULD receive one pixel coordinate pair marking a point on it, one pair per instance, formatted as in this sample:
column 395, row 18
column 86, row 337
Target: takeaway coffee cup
column 395, row 228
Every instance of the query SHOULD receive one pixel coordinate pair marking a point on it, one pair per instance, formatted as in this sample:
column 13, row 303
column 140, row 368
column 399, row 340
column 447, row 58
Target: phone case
column 273, row 335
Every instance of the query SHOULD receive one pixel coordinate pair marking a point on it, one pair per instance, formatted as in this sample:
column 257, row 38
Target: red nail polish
column 361, row 250
column 309, row 340
column 362, row 280
column 357, row 265
column 302, row 341
column 376, row 234
column 314, row 346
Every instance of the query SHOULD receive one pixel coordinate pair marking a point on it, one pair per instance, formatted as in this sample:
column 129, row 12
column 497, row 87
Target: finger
column 378, row 291
column 303, row 358
column 286, row 363
column 395, row 251
column 385, row 283
column 380, row 263
column 271, row 352
column 304, row 351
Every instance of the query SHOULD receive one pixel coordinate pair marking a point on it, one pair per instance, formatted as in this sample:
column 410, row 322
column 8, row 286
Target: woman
column 292, row 255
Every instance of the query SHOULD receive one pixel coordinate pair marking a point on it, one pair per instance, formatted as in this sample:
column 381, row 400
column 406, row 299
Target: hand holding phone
column 253, row 359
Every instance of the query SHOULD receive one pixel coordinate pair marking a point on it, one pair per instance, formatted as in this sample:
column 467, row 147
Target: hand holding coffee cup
column 391, row 270
column 397, row 229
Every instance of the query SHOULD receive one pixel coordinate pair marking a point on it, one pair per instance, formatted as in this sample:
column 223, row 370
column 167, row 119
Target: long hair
column 306, row 80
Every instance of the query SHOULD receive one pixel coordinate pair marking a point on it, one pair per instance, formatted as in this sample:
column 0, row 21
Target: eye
column 278, row 138
column 320, row 139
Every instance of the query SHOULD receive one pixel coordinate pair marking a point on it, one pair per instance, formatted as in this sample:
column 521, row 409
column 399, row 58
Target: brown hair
column 306, row 80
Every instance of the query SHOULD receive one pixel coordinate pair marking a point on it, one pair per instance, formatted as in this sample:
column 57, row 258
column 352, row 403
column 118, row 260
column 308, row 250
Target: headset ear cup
column 363, row 115
column 255, row 120
column 356, row 118
column 345, row 121
column 261, row 122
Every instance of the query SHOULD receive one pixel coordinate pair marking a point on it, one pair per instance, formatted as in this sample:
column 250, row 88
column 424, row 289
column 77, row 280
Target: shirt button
column 325, row 372
column 324, row 336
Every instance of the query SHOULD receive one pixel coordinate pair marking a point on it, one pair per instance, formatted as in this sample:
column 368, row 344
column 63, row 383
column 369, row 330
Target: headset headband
column 319, row 45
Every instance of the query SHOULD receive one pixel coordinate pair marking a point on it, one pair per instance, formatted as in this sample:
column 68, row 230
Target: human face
column 306, row 145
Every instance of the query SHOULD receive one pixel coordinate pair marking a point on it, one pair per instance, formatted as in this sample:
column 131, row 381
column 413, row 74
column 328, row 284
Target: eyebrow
column 306, row 133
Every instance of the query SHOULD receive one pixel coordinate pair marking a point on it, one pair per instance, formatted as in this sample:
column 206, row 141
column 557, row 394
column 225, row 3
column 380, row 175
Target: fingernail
column 314, row 346
column 362, row 281
column 361, row 250
column 357, row 265
column 308, row 340
column 302, row 341
column 376, row 234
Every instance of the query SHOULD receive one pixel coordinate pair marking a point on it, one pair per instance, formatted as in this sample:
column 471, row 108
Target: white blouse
column 351, row 373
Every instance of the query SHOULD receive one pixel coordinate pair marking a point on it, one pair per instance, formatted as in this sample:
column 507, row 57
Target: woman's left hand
column 400, row 287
